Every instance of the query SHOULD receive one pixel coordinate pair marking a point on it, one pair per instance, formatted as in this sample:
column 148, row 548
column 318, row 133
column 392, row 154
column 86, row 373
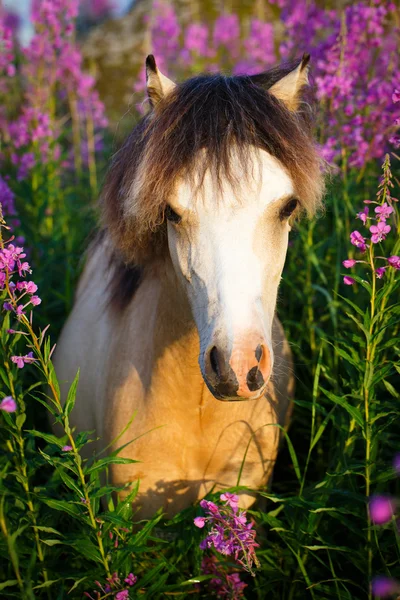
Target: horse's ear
column 288, row 88
column 158, row 86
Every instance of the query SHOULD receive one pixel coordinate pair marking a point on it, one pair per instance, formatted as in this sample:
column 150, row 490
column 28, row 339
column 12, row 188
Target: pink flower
column 35, row 300
column 66, row 448
column 363, row 215
column 20, row 361
column 8, row 404
column 231, row 499
column 379, row 232
column 384, row 587
column 123, row 595
column 131, row 579
column 394, row 261
column 381, row 509
column 348, row 263
column 380, row 272
column 348, row 280
column 396, row 96
column 199, row 522
column 357, row 240
column 384, row 211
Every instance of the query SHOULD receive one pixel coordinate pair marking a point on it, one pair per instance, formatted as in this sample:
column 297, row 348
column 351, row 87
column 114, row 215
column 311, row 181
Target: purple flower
column 131, row 579
column 8, row 404
column 200, row 522
column 396, row 96
column 381, row 509
column 383, row 587
column 380, row 272
column 379, row 232
column 20, row 361
column 66, row 448
column 230, row 533
column 363, row 215
column 394, row 261
column 231, row 499
column 384, row 211
column 123, row 595
column 348, row 263
column 348, row 280
column 357, row 240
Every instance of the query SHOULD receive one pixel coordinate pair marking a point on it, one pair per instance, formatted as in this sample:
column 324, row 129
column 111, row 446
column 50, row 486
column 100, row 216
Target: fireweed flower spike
column 230, row 533
column 8, row 404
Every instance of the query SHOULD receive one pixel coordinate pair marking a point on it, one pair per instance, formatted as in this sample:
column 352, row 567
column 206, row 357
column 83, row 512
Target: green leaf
column 47, row 529
column 109, row 460
column 53, row 379
column 70, row 402
column 69, row 482
column 340, row 548
column 63, row 505
column 20, row 420
column 8, row 583
column 352, row 410
column 48, row 437
column 51, row 542
column 46, row 584
column 390, row 389
column 77, row 583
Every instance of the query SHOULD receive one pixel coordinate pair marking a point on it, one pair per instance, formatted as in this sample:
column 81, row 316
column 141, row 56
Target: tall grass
column 314, row 530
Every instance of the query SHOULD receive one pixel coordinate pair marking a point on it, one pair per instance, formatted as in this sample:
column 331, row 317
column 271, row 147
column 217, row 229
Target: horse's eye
column 172, row 216
column 288, row 209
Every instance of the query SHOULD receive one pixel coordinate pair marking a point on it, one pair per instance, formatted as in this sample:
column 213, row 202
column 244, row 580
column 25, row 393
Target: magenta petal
column 199, row 522
column 8, row 404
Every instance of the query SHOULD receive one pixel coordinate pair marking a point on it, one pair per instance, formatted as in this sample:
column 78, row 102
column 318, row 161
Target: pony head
column 210, row 180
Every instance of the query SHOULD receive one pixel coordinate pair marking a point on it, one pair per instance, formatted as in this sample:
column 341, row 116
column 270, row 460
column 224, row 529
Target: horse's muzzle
column 241, row 375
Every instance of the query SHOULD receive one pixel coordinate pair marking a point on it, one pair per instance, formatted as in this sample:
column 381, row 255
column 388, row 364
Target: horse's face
column 228, row 250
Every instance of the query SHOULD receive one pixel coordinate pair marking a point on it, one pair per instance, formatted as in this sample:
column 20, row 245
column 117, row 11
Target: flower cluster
column 33, row 135
column 382, row 510
column 230, row 533
column 20, row 294
column 355, row 62
column 378, row 227
column 203, row 47
column 114, row 587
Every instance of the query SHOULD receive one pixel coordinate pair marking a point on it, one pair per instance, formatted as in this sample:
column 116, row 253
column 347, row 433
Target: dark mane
column 195, row 129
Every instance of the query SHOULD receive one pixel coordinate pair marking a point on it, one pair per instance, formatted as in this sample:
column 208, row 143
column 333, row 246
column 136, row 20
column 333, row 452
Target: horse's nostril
column 259, row 352
column 214, row 360
column 254, row 380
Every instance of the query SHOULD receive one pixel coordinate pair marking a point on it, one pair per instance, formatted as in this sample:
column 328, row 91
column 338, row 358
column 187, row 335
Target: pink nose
column 251, row 367
column 241, row 374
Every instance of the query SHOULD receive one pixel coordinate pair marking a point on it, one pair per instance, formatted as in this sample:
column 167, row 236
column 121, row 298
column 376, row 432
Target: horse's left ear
column 288, row 89
column 158, row 86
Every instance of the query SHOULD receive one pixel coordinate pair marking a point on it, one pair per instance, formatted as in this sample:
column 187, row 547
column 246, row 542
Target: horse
column 174, row 317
